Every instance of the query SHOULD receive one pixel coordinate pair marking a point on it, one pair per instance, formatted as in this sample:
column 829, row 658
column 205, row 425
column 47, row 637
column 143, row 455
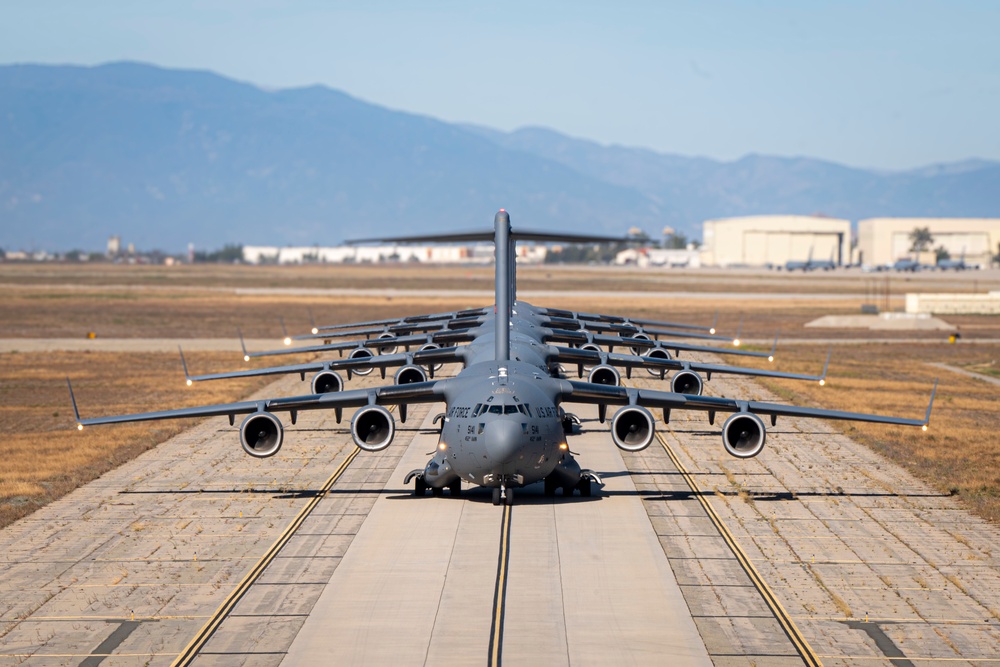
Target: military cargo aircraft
column 504, row 424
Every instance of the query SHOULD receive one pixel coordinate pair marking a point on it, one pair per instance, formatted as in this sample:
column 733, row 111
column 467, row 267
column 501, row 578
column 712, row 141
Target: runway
column 816, row 552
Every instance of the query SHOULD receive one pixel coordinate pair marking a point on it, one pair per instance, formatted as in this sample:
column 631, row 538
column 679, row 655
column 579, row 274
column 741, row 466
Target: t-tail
column 504, row 238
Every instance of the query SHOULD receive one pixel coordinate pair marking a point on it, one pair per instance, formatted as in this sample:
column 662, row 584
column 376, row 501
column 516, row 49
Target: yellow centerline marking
column 196, row 644
column 500, row 593
column 782, row 616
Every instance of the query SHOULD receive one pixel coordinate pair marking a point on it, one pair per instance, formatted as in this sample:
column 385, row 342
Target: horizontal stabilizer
column 490, row 235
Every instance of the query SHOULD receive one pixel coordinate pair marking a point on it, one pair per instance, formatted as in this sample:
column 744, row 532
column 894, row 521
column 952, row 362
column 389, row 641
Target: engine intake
column 361, row 353
column 327, row 382
column 743, row 435
column 261, row 435
column 432, row 346
column 687, row 382
column 640, row 336
column 410, row 374
column 632, row 428
column 657, row 353
column 373, row 428
column 605, row 374
column 387, row 349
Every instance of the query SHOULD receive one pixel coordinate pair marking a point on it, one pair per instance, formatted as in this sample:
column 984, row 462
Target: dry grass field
column 45, row 457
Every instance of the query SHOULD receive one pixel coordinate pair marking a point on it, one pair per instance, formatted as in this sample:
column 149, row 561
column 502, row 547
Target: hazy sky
column 872, row 84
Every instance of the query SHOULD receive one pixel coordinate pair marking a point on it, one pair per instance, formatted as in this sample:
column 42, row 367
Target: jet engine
column 373, row 428
column 632, row 428
column 657, row 353
column 687, row 382
column 410, row 374
column 743, row 435
column 641, row 336
column 605, row 374
column 327, row 382
column 387, row 349
column 361, row 353
column 261, row 435
column 432, row 346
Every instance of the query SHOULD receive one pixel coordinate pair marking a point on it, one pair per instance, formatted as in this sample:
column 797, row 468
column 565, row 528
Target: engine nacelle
column 327, row 382
column 373, row 428
column 410, row 374
column 743, row 435
column 605, row 374
column 687, row 382
column 387, row 349
column 641, row 336
column 657, row 353
column 361, row 353
column 261, row 435
column 632, row 428
column 432, row 346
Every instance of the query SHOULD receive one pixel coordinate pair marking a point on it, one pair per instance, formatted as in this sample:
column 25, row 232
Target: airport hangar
column 882, row 241
column 760, row 240
column 773, row 240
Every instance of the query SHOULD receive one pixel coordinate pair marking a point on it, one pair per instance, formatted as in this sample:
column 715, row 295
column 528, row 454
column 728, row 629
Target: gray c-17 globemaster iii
column 504, row 424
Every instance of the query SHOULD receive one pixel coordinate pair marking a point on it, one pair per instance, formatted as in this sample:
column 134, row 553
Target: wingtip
column 72, row 399
column 930, row 405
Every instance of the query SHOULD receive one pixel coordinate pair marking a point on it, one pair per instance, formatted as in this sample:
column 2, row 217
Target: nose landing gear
column 506, row 493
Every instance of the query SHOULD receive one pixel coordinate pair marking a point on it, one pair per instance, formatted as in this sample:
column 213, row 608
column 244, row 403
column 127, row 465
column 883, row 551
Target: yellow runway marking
column 782, row 616
column 196, row 644
column 500, row 592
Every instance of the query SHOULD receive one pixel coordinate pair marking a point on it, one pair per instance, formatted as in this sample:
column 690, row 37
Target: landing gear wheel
column 584, row 487
column 437, row 491
column 508, row 497
column 455, row 487
column 496, row 496
column 418, row 486
column 550, row 487
column 568, row 491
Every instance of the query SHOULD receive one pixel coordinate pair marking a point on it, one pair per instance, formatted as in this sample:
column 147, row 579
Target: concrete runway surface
column 816, row 552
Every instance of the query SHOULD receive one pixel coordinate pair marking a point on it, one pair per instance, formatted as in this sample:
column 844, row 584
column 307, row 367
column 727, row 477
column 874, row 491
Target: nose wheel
column 504, row 494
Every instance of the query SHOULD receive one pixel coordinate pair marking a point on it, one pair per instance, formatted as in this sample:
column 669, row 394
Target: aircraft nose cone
column 503, row 440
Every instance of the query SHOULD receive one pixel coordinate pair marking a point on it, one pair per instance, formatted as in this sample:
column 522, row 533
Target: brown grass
column 44, row 456
column 958, row 454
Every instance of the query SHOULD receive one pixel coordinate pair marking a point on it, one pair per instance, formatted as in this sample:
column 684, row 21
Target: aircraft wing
column 618, row 319
column 410, row 319
column 588, row 392
column 592, row 357
column 447, row 336
column 444, row 355
column 581, row 337
column 417, row 392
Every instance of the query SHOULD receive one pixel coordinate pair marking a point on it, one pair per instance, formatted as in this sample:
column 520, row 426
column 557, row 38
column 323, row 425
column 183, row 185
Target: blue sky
column 882, row 84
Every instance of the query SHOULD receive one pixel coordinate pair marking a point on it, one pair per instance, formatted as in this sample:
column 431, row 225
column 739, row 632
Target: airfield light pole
column 502, row 245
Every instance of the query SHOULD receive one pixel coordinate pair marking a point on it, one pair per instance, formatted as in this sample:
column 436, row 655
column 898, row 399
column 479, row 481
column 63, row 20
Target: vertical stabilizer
column 504, row 257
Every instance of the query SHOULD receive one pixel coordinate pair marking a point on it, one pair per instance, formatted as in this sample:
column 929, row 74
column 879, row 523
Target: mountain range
column 165, row 157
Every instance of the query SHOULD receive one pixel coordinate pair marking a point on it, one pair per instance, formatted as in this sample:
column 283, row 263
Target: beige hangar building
column 761, row 240
column 884, row 240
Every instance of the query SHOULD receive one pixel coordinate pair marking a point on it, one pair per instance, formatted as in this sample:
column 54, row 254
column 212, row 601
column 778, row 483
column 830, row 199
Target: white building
column 689, row 257
column 372, row 254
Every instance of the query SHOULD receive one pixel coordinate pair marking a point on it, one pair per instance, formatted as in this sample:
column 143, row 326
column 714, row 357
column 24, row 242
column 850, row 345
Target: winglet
column 246, row 355
column 715, row 321
column 72, row 398
column 774, row 347
column 187, row 376
column 312, row 323
column 739, row 329
column 826, row 366
column 927, row 417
